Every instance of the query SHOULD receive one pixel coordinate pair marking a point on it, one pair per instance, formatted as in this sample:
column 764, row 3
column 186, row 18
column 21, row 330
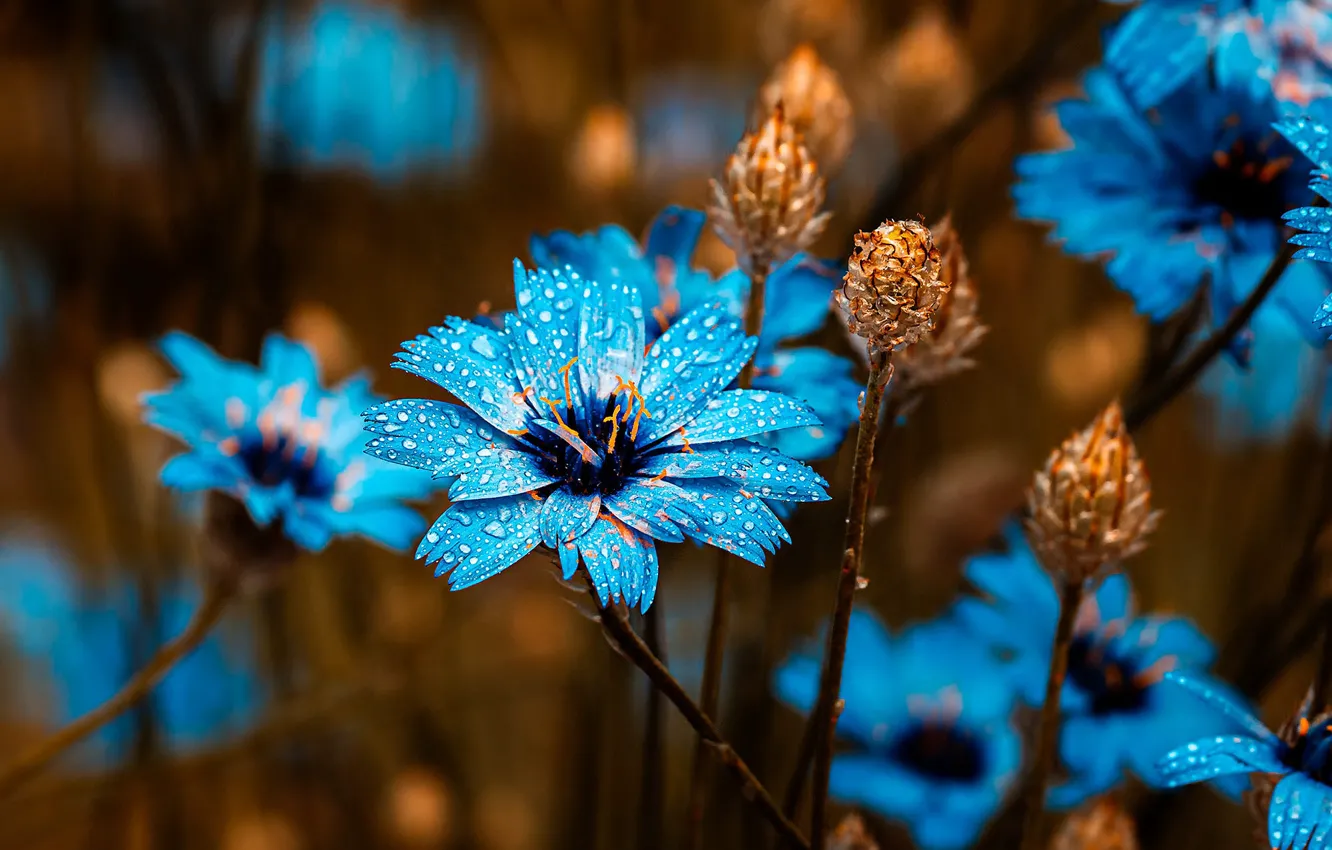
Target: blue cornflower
column 282, row 444
column 1116, row 716
column 1281, row 46
column 576, row 435
column 1188, row 195
column 798, row 296
column 930, row 714
column 1300, row 812
column 76, row 644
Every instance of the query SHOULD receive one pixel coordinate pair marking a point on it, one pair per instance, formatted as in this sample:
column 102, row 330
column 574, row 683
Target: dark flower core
column 1309, row 752
column 282, row 457
column 1111, row 681
column 1245, row 182
column 940, row 751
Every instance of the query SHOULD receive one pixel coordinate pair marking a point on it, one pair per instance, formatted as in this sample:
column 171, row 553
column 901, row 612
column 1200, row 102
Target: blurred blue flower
column 358, row 84
column 1282, row 47
column 575, row 436
column 798, row 296
column 77, row 645
column 1300, row 812
column 1187, row 195
column 282, row 444
column 930, row 713
column 1116, row 716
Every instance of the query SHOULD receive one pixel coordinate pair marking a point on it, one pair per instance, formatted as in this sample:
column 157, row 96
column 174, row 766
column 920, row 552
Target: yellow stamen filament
column 520, row 432
column 614, row 420
column 555, row 409
column 1304, row 726
column 568, row 391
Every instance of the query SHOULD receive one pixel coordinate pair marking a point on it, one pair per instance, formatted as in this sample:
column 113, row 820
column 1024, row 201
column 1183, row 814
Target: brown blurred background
column 352, row 172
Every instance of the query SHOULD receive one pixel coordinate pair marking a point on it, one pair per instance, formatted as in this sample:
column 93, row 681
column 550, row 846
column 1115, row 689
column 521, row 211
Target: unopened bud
column 1099, row 825
column 766, row 204
column 892, row 290
column 944, row 351
column 815, row 103
column 1091, row 506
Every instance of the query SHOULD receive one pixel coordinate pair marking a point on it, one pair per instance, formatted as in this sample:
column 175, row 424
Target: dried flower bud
column 1091, row 505
column 814, row 102
column 892, row 289
column 766, row 205
column 957, row 329
column 851, row 834
column 1100, row 825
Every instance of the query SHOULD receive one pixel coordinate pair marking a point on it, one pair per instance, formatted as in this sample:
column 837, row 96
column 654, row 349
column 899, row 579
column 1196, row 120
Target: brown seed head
column 892, row 290
column 944, row 351
column 851, row 834
column 1101, row 824
column 814, row 102
column 766, row 204
column 1091, row 506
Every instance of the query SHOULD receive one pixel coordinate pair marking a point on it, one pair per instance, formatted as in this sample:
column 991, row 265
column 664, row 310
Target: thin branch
column 628, row 642
column 210, row 610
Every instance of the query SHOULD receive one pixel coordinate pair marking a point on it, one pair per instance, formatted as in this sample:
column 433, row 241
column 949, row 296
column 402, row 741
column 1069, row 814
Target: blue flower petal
column 443, row 439
column 544, row 335
column 473, row 541
column 1223, row 701
column 622, row 562
column 1300, row 811
column 611, row 337
column 738, row 414
column 473, row 363
column 566, row 517
column 696, row 358
column 765, row 472
column 1218, row 756
column 649, row 506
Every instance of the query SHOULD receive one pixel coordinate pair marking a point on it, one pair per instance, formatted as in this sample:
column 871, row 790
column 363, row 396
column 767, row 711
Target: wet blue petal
column 737, row 414
column 472, row 541
column 473, row 363
column 1300, row 807
column 648, row 506
column 1218, row 756
column 444, row 439
column 764, row 471
column 695, row 359
column 566, row 517
column 622, row 562
column 544, row 336
column 1222, row 701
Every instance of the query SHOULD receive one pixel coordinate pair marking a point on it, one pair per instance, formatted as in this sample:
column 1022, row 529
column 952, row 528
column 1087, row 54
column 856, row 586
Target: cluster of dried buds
column 945, row 350
column 1101, row 824
column 814, row 102
column 893, row 290
column 1091, row 506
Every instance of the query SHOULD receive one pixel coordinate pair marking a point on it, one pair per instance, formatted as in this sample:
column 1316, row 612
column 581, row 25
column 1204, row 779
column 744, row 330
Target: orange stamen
column 520, row 432
column 1304, row 726
column 554, row 408
column 614, row 420
column 568, row 391
column 1274, row 169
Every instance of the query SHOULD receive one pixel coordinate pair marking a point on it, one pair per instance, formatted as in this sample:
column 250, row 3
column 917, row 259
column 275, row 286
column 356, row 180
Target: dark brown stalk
column 830, row 681
column 652, row 800
column 1048, row 733
column 633, row 648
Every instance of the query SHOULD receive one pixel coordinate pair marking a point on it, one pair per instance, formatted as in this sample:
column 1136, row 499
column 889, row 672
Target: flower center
column 280, row 456
column 940, row 751
column 1245, row 182
column 1109, row 680
column 1311, row 753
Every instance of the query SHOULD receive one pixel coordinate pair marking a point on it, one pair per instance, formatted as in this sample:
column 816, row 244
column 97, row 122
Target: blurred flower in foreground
column 892, row 291
column 1116, row 714
column 1298, row 761
column 766, row 204
column 929, row 710
column 283, row 445
column 575, row 437
column 1091, row 506
column 76, row 646
column 1189, row 195
column 814, row 102
column 1102, row 824
column 798, row 294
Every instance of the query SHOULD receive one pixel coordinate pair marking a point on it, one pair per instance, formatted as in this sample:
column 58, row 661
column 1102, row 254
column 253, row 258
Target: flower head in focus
column 1117, row 717
column 799, row 294
column 766, row 204
column 929, row 711
column 1293, row 769
column 945, row 349
column 285, row 446
column 1091, row 506
column 1187, row 195
column 893, row 291
column 574, row 436
column 813, row 101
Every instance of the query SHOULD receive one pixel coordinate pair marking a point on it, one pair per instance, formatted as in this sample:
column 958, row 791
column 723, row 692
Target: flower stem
column 1048, row 733
column 210, row 610
column 632, row 646
column 710, row 690
column 651, row 803
column 830, row 682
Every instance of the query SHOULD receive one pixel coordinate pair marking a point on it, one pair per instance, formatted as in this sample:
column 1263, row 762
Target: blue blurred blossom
column 798, row 296
column 76, row 644
column 930, row 714
column 358, row 84
column 1116, row 715
column 277, row 440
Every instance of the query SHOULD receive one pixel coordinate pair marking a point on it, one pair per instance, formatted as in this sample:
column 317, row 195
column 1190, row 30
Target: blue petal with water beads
column 610, row 338
column 765, row 472
column 444, row 439
column 566, row 517
column 646, row 506
column 738, row 414
column 548, row 309
column 472, row 541
column 1157, row 48
column 722, row 514
column 1311, row 137
column 1300, row 814
column 1221, row 755
column 472, row 362
column 621, row 562
column 1224, row 703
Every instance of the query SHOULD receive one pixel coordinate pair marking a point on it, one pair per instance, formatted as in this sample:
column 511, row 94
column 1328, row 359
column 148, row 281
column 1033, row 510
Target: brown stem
column 652, row 801
column 830, row 681
column 210, row 610
column 1323, row 674
column 1048, row 734
column 632, row 646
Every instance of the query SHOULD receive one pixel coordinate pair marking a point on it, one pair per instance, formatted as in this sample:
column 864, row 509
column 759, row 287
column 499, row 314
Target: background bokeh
column 351, row 172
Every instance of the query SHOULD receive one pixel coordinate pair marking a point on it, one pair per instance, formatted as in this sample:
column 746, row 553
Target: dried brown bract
column 1101, row 824
column 1091, row 506
column 957, row 331
column 766, row 204
column 892, row 291
column 815, row 103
